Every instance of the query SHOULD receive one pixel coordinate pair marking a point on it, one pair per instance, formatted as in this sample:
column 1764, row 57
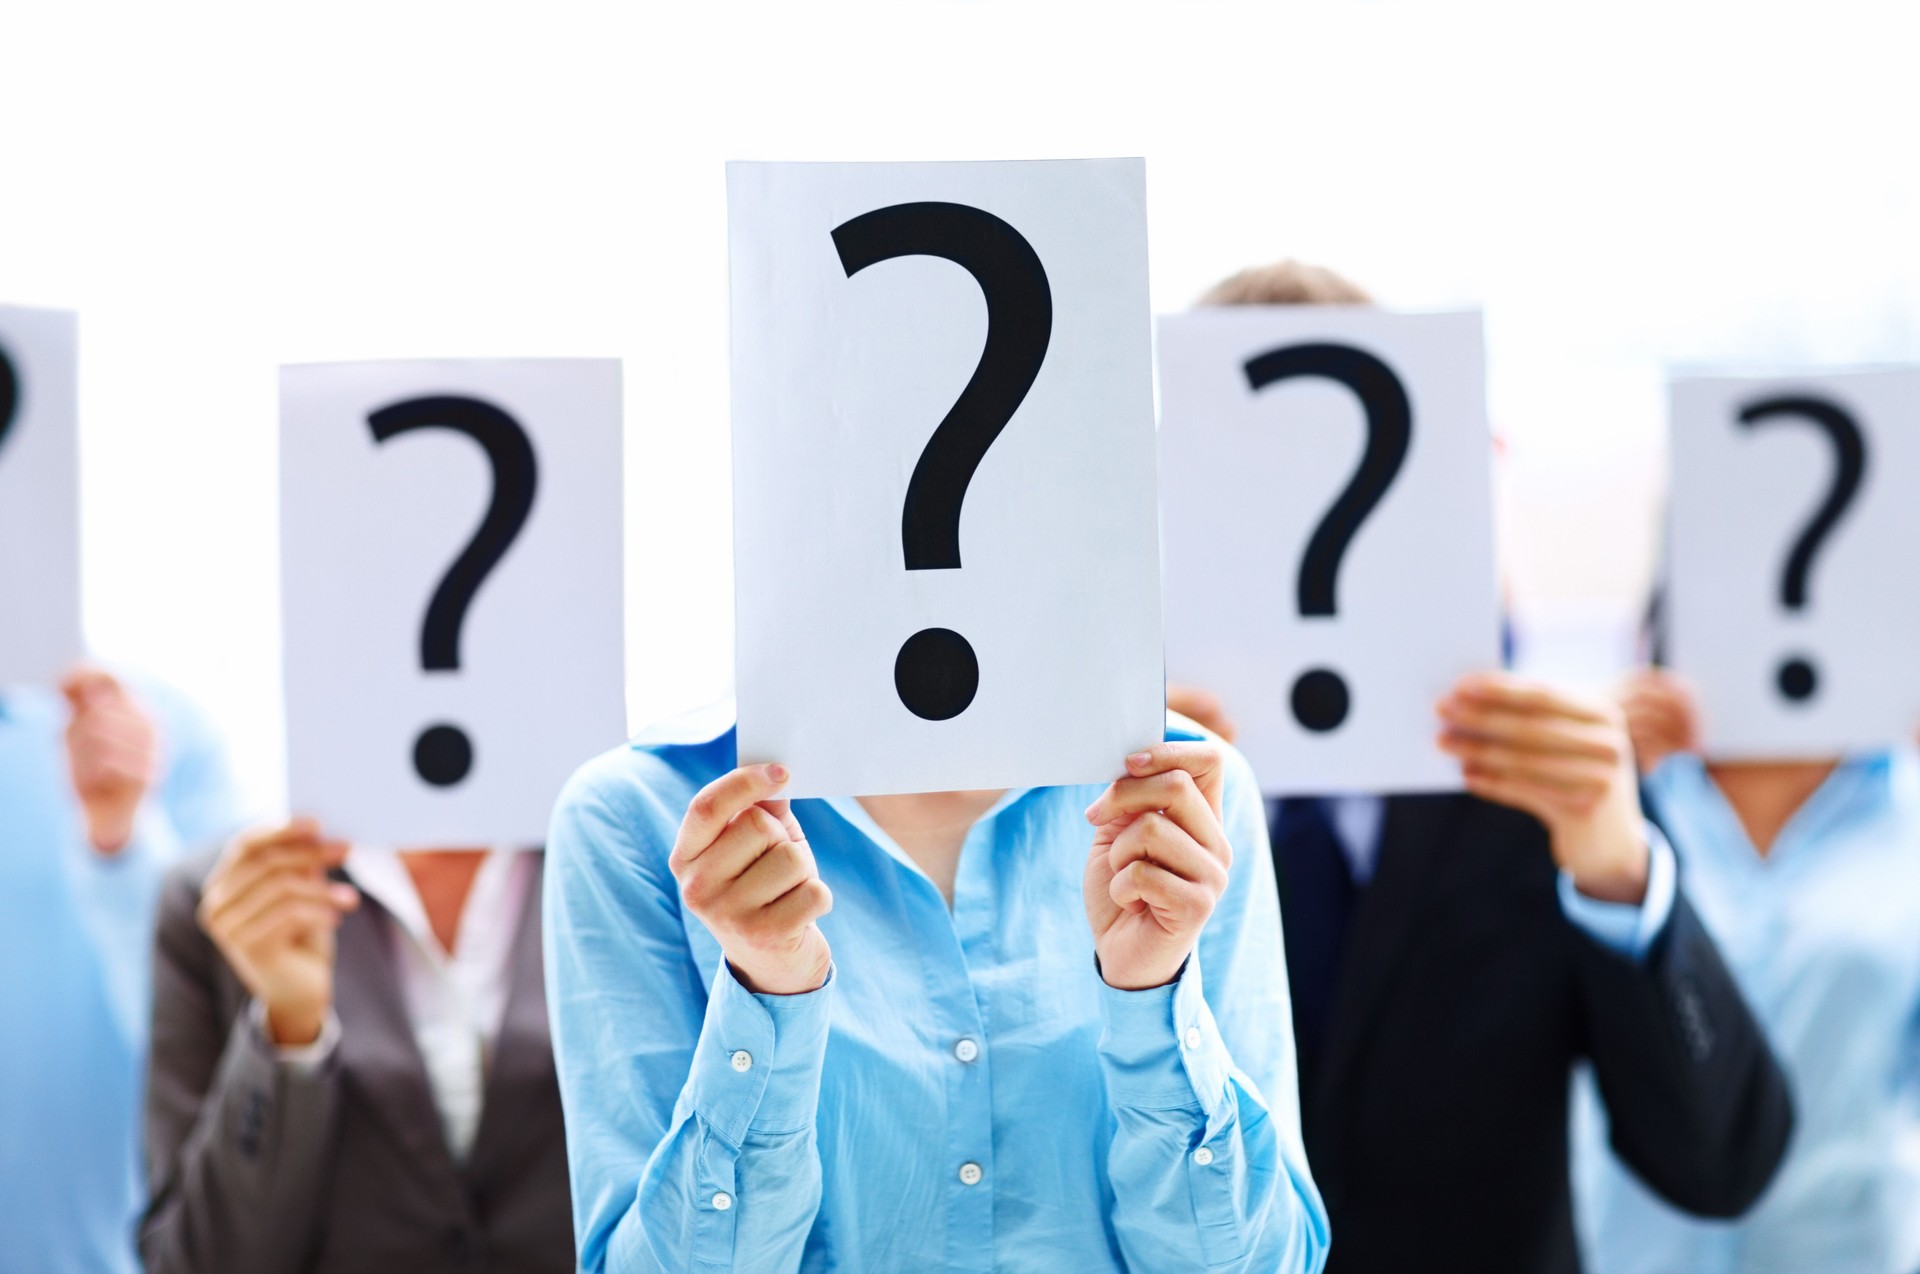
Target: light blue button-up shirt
column 75, row 931
column 1823, row 937
column 965, row 1093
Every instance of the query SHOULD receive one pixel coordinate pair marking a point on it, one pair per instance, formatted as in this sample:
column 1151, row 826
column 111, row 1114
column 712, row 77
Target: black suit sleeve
column 1699, row 1107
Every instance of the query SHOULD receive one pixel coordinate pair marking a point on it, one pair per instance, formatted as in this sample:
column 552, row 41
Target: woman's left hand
column 1159, row 863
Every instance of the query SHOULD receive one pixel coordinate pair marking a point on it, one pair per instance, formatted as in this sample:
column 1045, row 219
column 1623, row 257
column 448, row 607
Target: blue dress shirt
column 75, row 931
column 1823, row 936
column 965, row 1093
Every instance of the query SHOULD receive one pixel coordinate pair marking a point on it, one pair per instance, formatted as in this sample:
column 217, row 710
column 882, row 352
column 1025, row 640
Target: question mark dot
column 1320, row 700
column 1797, row 679
column 443, row 755
column 936, row 674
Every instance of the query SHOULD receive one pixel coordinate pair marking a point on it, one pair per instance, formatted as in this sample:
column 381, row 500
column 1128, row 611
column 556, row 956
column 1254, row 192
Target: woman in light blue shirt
column 873, row 1035
column 1808, row 875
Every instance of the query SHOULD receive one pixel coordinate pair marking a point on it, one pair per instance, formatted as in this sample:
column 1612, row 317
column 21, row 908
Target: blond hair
column 1287, row 282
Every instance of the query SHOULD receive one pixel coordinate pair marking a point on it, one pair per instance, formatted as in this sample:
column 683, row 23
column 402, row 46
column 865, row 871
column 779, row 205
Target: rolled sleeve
column 1628, row 929
column 758, row 1064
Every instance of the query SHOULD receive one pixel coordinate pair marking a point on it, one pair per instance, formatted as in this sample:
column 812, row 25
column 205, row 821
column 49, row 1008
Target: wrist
column 1152, row 979
column 1619, row 877
column 294, row 1026
column 788, row 978
column 109, row 825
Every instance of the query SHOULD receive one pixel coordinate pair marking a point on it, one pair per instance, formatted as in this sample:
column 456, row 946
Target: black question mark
column 1320, row 695
column 936, row 673
column 443, row 754
column 1797, row 678
column 9, row 395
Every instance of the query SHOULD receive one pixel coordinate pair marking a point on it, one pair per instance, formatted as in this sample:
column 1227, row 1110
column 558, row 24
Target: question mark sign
column 9, row 395
column 443, row 754
column 1797, row 678
column 1320, row 695
column 936, row 673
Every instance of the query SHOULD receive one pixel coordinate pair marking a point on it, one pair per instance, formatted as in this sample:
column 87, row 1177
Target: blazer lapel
column 379, row 1058
column 1411, row 840
column 522, row 1051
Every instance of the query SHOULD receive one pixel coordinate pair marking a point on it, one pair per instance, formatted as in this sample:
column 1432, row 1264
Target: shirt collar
column 1860, row 784
column 853, row 813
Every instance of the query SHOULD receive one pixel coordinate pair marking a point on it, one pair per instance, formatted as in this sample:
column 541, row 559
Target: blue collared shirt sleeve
column 192, row 803
column 690, row 1116
column 1207, row 1156
column 1629, row 929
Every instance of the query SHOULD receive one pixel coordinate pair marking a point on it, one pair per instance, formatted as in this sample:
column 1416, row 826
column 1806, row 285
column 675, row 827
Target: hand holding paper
column 1158, row 865
column 113, row 754
column 1662, row 717
column 746, row 871
column 1562, row 759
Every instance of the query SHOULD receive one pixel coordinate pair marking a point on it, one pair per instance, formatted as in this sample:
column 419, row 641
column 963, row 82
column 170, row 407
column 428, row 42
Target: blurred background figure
column 1454, row 956
column 101, row 790
column 1808, row 875
column 351, row 1069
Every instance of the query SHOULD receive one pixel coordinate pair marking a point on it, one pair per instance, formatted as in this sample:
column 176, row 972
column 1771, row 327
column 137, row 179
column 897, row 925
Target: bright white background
column 222, row 189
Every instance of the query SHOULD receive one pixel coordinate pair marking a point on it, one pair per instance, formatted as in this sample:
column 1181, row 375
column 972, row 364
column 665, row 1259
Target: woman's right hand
column 271, row 911
column 1662, row 717
column 746, row 870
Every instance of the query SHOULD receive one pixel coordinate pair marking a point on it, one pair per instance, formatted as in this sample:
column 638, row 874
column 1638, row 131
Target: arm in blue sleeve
column 1207, row 1157
column 690, row 1115
column 192, row 804
column 1628, row 929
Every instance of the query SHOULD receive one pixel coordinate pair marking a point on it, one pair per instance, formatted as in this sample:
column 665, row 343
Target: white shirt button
column 1192, row 1039
column 970, row 1174
column 1203, row 1156
column 966, row 1050
column 742, row 1060
column 722, row 1201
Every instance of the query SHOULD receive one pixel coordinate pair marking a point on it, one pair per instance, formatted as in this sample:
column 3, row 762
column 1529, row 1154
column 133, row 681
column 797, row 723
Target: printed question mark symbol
column 9, row 395
column 1320, row 695
column 1797, row 678
column 443, row 754
column 936, row 673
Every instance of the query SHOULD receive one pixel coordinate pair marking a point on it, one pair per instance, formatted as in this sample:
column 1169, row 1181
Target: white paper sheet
column 371, row 529
column 1837, row 669
column 842, row 369
column 39, row 496
column 1332, row 685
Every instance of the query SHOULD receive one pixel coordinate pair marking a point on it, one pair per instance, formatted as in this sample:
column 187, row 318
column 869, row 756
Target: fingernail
column 777, row 772
column 1139, row 759
column 1090, row 812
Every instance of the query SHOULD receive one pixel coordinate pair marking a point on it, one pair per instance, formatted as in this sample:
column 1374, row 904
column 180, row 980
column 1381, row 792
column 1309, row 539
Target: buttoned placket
column 964, row 1051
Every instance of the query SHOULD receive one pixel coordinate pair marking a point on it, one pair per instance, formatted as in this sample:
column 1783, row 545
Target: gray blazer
column 256, row 1168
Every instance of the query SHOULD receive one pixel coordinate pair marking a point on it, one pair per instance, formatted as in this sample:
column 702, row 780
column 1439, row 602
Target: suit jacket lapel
column 1411, row 840
column 379, row 1057
column 522, row 1049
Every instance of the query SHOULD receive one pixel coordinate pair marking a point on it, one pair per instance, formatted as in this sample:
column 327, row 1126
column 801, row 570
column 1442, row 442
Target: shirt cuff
column 758, row 1062
column 1628, row 929
column 301, row 1059
column 1161, row 1049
